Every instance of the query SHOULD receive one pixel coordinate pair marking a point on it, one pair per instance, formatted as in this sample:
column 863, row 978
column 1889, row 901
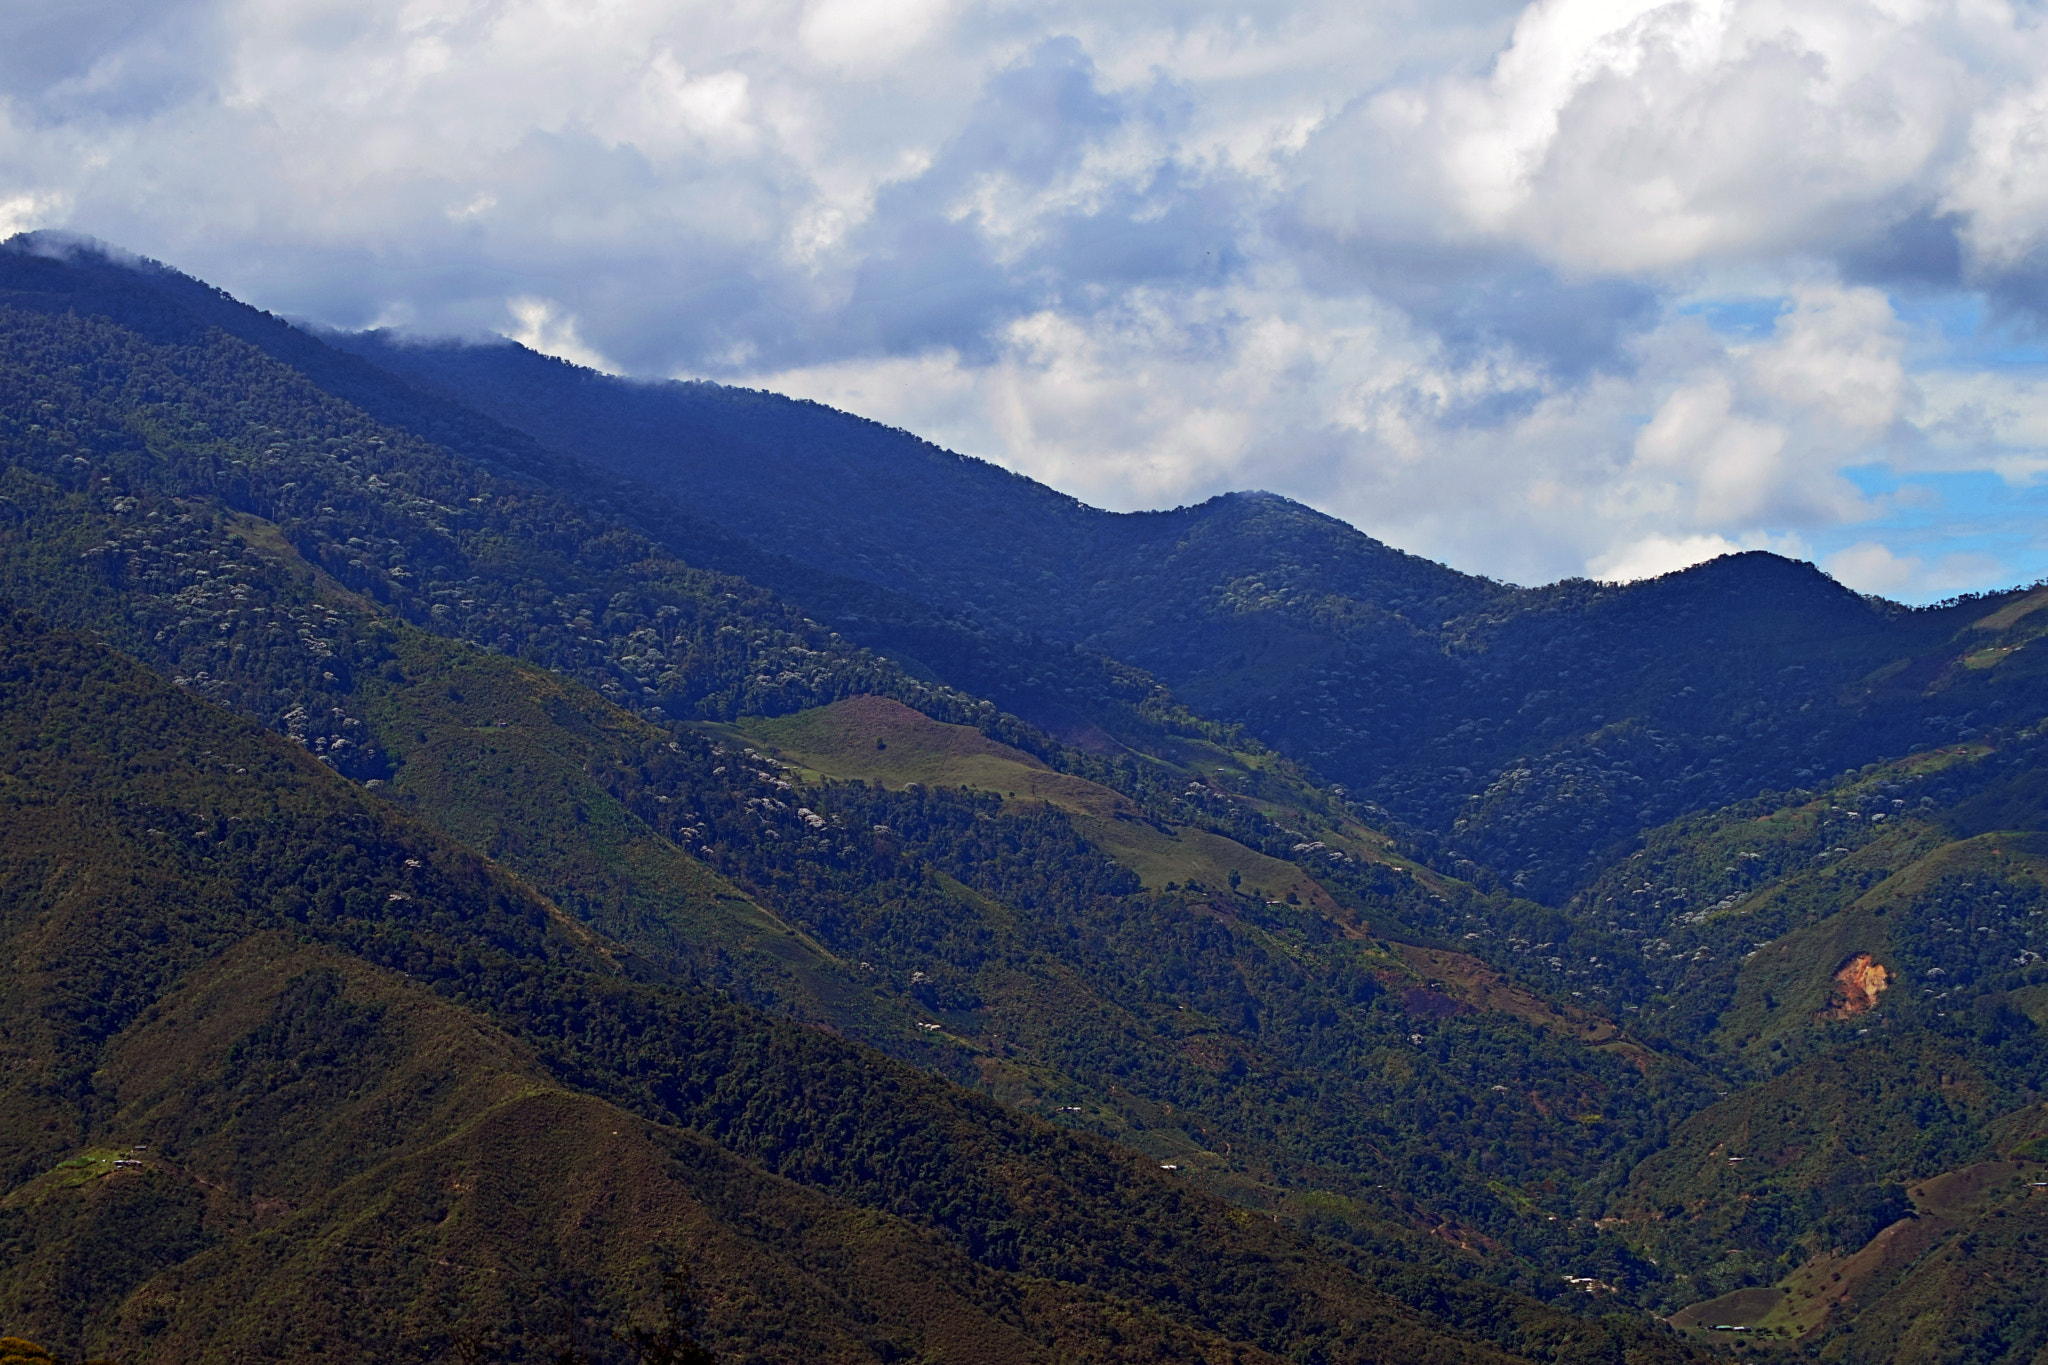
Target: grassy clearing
column 2009, row 615
column 90, row 1164
column 875, row 739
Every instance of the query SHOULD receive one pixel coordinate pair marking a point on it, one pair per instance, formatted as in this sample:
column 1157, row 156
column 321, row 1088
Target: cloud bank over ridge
column 1566, row 287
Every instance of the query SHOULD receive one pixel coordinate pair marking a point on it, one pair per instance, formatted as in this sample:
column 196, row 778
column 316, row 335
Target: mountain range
column 483, row 834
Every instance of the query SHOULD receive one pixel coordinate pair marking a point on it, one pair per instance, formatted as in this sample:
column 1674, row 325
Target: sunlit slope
column 1974, row 1295
column 1179, row 1009
column 963, row 976
column 1954, row 1277
column 876, row 739
column 1731, row 928
column 1192, row 790
column 510, row 760
column 318, row 1135
column 1053, row 1035
column 1837, row 970
column 1948, row 1279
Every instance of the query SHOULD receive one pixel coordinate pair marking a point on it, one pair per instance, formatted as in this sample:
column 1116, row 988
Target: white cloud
column 864, row 35
column 1173, row 397
column 1871, row 567
column 1731, row 459
column 1993, row 420
column 542, row 325
column 1654, row 555
column 28, row 211
column 713, row 106
column 1639, row 135
column 2000, row 188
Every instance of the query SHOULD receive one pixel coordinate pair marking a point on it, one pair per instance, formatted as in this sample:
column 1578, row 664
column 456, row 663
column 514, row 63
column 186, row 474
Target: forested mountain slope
column 1537, row 727
column 1867, row 961
column 875, row 503
column 165, row 309
column 250, row 1006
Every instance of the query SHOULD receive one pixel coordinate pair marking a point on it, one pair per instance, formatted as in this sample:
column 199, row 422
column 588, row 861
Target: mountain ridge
column 1335, row 649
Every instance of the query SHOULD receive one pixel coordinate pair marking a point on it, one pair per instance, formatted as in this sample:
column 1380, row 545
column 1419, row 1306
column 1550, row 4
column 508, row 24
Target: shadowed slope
column 1548, row 724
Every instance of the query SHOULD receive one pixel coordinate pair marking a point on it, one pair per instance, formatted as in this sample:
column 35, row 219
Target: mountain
column 461, row 868
column 1538, row 728
column 652, row 833
column 292, row 1075
column 1527, row 731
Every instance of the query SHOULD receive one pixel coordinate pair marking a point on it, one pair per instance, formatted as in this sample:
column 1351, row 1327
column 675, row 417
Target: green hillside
column 877, row 740
column 970, row 954
column 1871, row 986
column 353, row 1054
column 508, row 760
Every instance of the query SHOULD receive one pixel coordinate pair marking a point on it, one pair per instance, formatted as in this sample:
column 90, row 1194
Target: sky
column 1577, row 287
